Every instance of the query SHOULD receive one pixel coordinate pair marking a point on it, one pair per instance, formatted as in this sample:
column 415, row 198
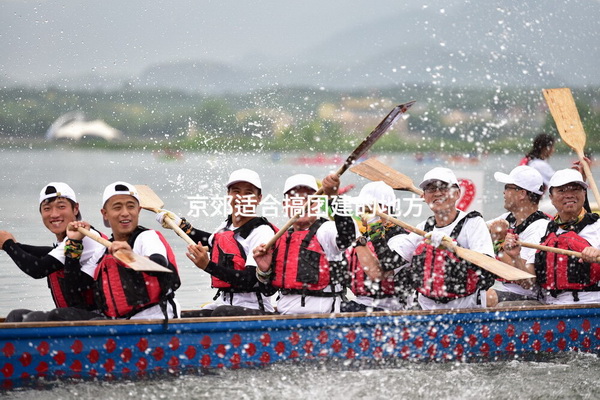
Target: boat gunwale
column 500, row 313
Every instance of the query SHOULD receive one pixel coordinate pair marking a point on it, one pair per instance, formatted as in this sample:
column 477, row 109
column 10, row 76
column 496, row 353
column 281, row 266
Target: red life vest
column 57, row 288
column 440, row 275
column 227, row 252
column 360, row 283
column 524, row 161
column 121, row 292
column 300, row 264
column 517, row 230
column 557, row 272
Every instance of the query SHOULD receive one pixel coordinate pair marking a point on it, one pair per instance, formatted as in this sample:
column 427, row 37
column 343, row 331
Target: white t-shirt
column 87, row 260
column 147, row 243
column 292, row 303
column 474, row 235
column 532, row 234
column 259, row 235
column 591, row 233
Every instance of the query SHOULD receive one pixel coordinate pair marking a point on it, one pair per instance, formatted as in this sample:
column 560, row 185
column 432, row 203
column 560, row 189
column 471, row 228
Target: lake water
column 181, row 184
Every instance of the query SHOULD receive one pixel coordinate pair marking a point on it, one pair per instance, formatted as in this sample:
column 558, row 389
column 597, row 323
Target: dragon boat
column 127, row 349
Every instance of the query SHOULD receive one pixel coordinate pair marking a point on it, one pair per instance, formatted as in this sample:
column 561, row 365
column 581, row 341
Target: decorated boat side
column 131, row 349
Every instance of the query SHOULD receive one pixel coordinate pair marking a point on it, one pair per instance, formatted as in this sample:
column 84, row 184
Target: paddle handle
column 488, row 263
column 553, row 250
column 292, row 220
column 178, row 230
column 295, row 218
column 450, row 245
column 402, row 224
column 590, row 178
column 97, row 238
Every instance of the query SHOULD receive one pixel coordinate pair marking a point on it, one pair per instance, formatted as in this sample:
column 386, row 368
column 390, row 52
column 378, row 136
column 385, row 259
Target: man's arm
column 33, row 265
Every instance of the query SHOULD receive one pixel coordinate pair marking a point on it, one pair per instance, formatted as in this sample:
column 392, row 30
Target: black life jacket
column 442, row 276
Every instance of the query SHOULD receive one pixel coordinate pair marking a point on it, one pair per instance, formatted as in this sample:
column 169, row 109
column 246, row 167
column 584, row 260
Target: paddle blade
column 148, row 199
column 564, row 111
column 139, row 263
column 379, row 130
column 375, row 170
column 492, row 265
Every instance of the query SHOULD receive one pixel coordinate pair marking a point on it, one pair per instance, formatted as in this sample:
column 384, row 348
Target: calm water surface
column 24, row 172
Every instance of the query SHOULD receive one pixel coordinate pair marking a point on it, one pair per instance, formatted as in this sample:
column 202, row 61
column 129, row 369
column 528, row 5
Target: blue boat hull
column 130, row 349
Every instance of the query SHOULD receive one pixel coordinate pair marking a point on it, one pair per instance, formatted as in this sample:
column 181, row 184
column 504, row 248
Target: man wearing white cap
column 566, row 279
column 441, row 279
column 373, row 265
column 122, row 292
column 307, row 262
column 523, row 189
column 58, row 207
column 231, row 265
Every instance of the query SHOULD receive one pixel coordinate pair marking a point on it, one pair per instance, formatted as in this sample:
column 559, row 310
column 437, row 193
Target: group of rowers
column 313, row 264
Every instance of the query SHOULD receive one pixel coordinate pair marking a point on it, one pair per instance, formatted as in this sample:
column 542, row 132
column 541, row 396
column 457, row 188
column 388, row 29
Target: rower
column 442, row 280
column 307, row 264
column 58, row 207
column 523, row 189
column 375, row 270
column 566, row 279
column 231, row 265
column 122, row 292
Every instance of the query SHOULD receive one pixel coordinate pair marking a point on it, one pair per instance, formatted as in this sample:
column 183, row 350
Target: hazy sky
column 116, row 36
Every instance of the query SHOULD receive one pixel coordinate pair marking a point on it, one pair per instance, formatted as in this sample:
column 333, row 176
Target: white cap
column 564, row 176
column 439, row 174
column 244, row 175
column 57, row 189
column 524, row 177
column 378, row 192
column 297, row 180
column 117, row 188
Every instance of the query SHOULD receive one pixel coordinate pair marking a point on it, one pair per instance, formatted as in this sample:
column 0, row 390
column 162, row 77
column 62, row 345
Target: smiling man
column 307, row 264
column 441, row 279
column 566, row 279
column 231, row 264
column 58, row 207
column 523, row 189
column 122, row 292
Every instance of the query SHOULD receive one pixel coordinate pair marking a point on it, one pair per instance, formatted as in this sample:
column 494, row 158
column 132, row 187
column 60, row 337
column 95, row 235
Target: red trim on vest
column 359, row 284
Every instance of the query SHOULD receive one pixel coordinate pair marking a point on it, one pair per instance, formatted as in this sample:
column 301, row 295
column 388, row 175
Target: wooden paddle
column 362, row 148
column 151, row 202
column 564, row 111
column 553, row 249
column 375, row 170
column 484, row 261
column 128, row 257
